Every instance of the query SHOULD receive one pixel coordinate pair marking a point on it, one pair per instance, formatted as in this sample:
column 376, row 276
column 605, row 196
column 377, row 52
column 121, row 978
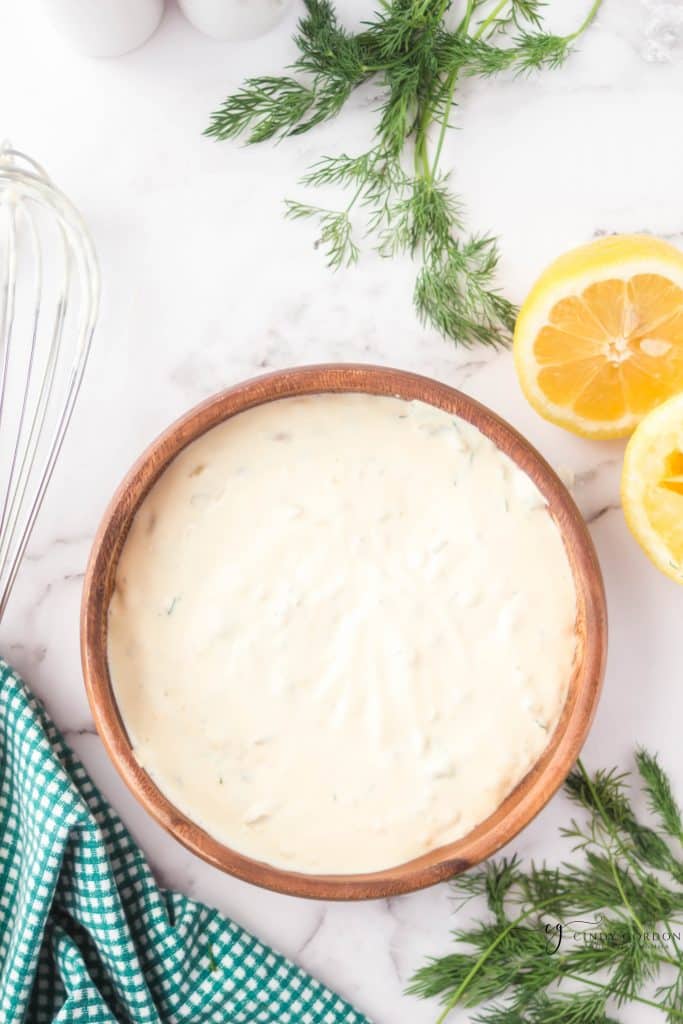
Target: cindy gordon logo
column 600, row 932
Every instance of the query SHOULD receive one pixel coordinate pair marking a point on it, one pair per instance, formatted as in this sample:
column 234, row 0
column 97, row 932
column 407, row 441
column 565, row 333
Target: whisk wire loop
column 46, row 332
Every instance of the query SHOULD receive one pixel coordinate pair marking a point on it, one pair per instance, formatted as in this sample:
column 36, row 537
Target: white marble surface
column 205, row 283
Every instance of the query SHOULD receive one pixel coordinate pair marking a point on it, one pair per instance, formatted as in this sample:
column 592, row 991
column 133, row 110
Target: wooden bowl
column 532, row 793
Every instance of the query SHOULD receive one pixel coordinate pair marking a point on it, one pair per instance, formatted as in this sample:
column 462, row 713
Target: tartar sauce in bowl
column 343, row 629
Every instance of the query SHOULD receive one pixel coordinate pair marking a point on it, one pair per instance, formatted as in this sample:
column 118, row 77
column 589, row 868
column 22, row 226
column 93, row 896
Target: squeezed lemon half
column 652, row 486
column 599, row 340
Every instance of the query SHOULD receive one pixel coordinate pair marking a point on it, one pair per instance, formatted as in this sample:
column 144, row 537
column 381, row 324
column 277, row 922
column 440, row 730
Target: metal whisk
column 48, row 309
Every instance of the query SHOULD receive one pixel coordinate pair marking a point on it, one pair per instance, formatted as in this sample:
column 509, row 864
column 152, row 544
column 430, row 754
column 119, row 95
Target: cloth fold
column 86, row 935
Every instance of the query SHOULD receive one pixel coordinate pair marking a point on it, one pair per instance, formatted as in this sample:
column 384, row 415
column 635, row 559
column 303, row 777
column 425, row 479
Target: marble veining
column 205, row 284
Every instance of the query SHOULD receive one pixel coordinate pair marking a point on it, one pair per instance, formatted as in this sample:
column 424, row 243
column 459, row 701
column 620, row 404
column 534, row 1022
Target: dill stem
column 464, row 25
column 421, row 9
column 492, row 17
column 445, row 4
column 461, row 30
column 588, row 20
column 615, row 836
column 355, row 198
column 625, row 900
column 425, row 118
column 425, row 159
column 462, row 987
column 638, row 999
column 421, row 157
column 452, row 81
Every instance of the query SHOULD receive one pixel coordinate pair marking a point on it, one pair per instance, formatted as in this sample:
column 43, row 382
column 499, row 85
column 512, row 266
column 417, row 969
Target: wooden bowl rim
column 531, row 794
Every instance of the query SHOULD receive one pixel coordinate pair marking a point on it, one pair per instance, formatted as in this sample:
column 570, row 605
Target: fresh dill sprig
column 574, row 944
column 660, row 796
column 397, row 190
column 336, row 232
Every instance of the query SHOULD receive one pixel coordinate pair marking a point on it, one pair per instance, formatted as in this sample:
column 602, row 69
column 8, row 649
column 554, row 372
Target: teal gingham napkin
column 87, row 937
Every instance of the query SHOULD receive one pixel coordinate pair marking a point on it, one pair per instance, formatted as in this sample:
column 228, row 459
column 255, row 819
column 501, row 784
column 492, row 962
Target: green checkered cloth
column 85, row 933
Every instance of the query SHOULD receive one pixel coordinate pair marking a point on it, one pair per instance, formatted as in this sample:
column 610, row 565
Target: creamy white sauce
column 343, row 630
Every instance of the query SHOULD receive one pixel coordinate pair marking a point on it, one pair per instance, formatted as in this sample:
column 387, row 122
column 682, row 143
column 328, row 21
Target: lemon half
column 652, row 486
column 599, row 340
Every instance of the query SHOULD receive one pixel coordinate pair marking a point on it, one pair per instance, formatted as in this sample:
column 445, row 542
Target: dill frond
column 624, row 896
column 660, row 796
column 336, row 232
column 455, row 291
column 415, row 63
column 264, row 108
column 529, row 11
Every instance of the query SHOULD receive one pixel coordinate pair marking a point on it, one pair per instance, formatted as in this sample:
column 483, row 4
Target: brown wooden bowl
column 532, row 793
